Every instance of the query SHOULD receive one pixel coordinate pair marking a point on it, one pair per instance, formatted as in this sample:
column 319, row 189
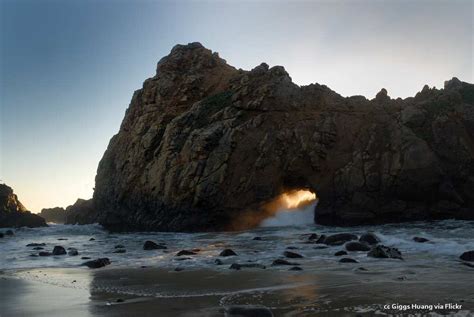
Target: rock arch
column 202, row 143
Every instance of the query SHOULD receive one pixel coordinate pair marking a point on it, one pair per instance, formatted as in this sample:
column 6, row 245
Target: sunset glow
column 296, row 198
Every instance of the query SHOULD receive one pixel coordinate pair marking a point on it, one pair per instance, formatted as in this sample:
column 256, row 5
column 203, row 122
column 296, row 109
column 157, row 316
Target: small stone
column 9, row 233
column 348, row 260
column 185, row 252
column 295, row 268
column 179, row 269
column 150, row 245
column 59, row 250
column 292, row 255
column 420, row 239
column 248, row 311
column 227, row 252
column 119, row 246
column 312, row 237
column 73, row 252
column 278, row 262
column 237, row 266
column 321, row 239
column 339, row 253
column 91, row 239
column 44, row 253
column 218, row 262
column 85, row 258
column 36, row 244
column 257, row 238
column 119, row 300
column 38, row 248
column 120, row 251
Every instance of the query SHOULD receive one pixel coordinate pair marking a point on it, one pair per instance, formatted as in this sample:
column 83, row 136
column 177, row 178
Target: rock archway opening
column 294, row 207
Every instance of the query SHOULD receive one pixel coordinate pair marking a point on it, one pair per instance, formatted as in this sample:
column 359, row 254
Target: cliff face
column 13, row 213
column 203, row 143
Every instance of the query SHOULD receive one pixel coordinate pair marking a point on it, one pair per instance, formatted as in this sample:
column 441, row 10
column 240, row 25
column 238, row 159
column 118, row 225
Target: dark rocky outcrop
column 13, row 213
column 56, row 214
column 204, row 145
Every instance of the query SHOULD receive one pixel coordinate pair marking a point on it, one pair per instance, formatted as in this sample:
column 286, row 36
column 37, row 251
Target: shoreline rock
column 14, row 214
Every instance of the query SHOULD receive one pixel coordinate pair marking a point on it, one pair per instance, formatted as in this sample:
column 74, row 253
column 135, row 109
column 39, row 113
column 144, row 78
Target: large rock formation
column 56, row 214
column 13, row 213
column 203, row 145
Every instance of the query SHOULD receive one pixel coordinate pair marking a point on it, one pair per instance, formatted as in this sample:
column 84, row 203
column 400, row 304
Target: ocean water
column 430, row 273
column 448, row 239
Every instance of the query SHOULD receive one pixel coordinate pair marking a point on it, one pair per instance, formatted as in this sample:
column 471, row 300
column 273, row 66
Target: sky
column 68, row 69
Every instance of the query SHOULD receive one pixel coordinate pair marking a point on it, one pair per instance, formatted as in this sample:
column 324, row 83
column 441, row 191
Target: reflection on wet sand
column 157, row 291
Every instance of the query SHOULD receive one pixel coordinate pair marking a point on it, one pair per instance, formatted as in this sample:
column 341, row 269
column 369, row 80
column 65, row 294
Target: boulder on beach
column 59, row 250
column 369, row 238
column 381, row 251
column 98, row 263
column 339, row 238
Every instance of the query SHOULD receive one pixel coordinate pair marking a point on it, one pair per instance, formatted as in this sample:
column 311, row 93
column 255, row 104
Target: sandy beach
column 157, row 292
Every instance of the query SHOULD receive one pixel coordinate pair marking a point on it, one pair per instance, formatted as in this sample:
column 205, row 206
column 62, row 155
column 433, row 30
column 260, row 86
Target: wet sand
column 347, row 291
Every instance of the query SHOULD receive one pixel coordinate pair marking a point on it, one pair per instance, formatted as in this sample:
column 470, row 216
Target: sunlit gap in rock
column 294, row 207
